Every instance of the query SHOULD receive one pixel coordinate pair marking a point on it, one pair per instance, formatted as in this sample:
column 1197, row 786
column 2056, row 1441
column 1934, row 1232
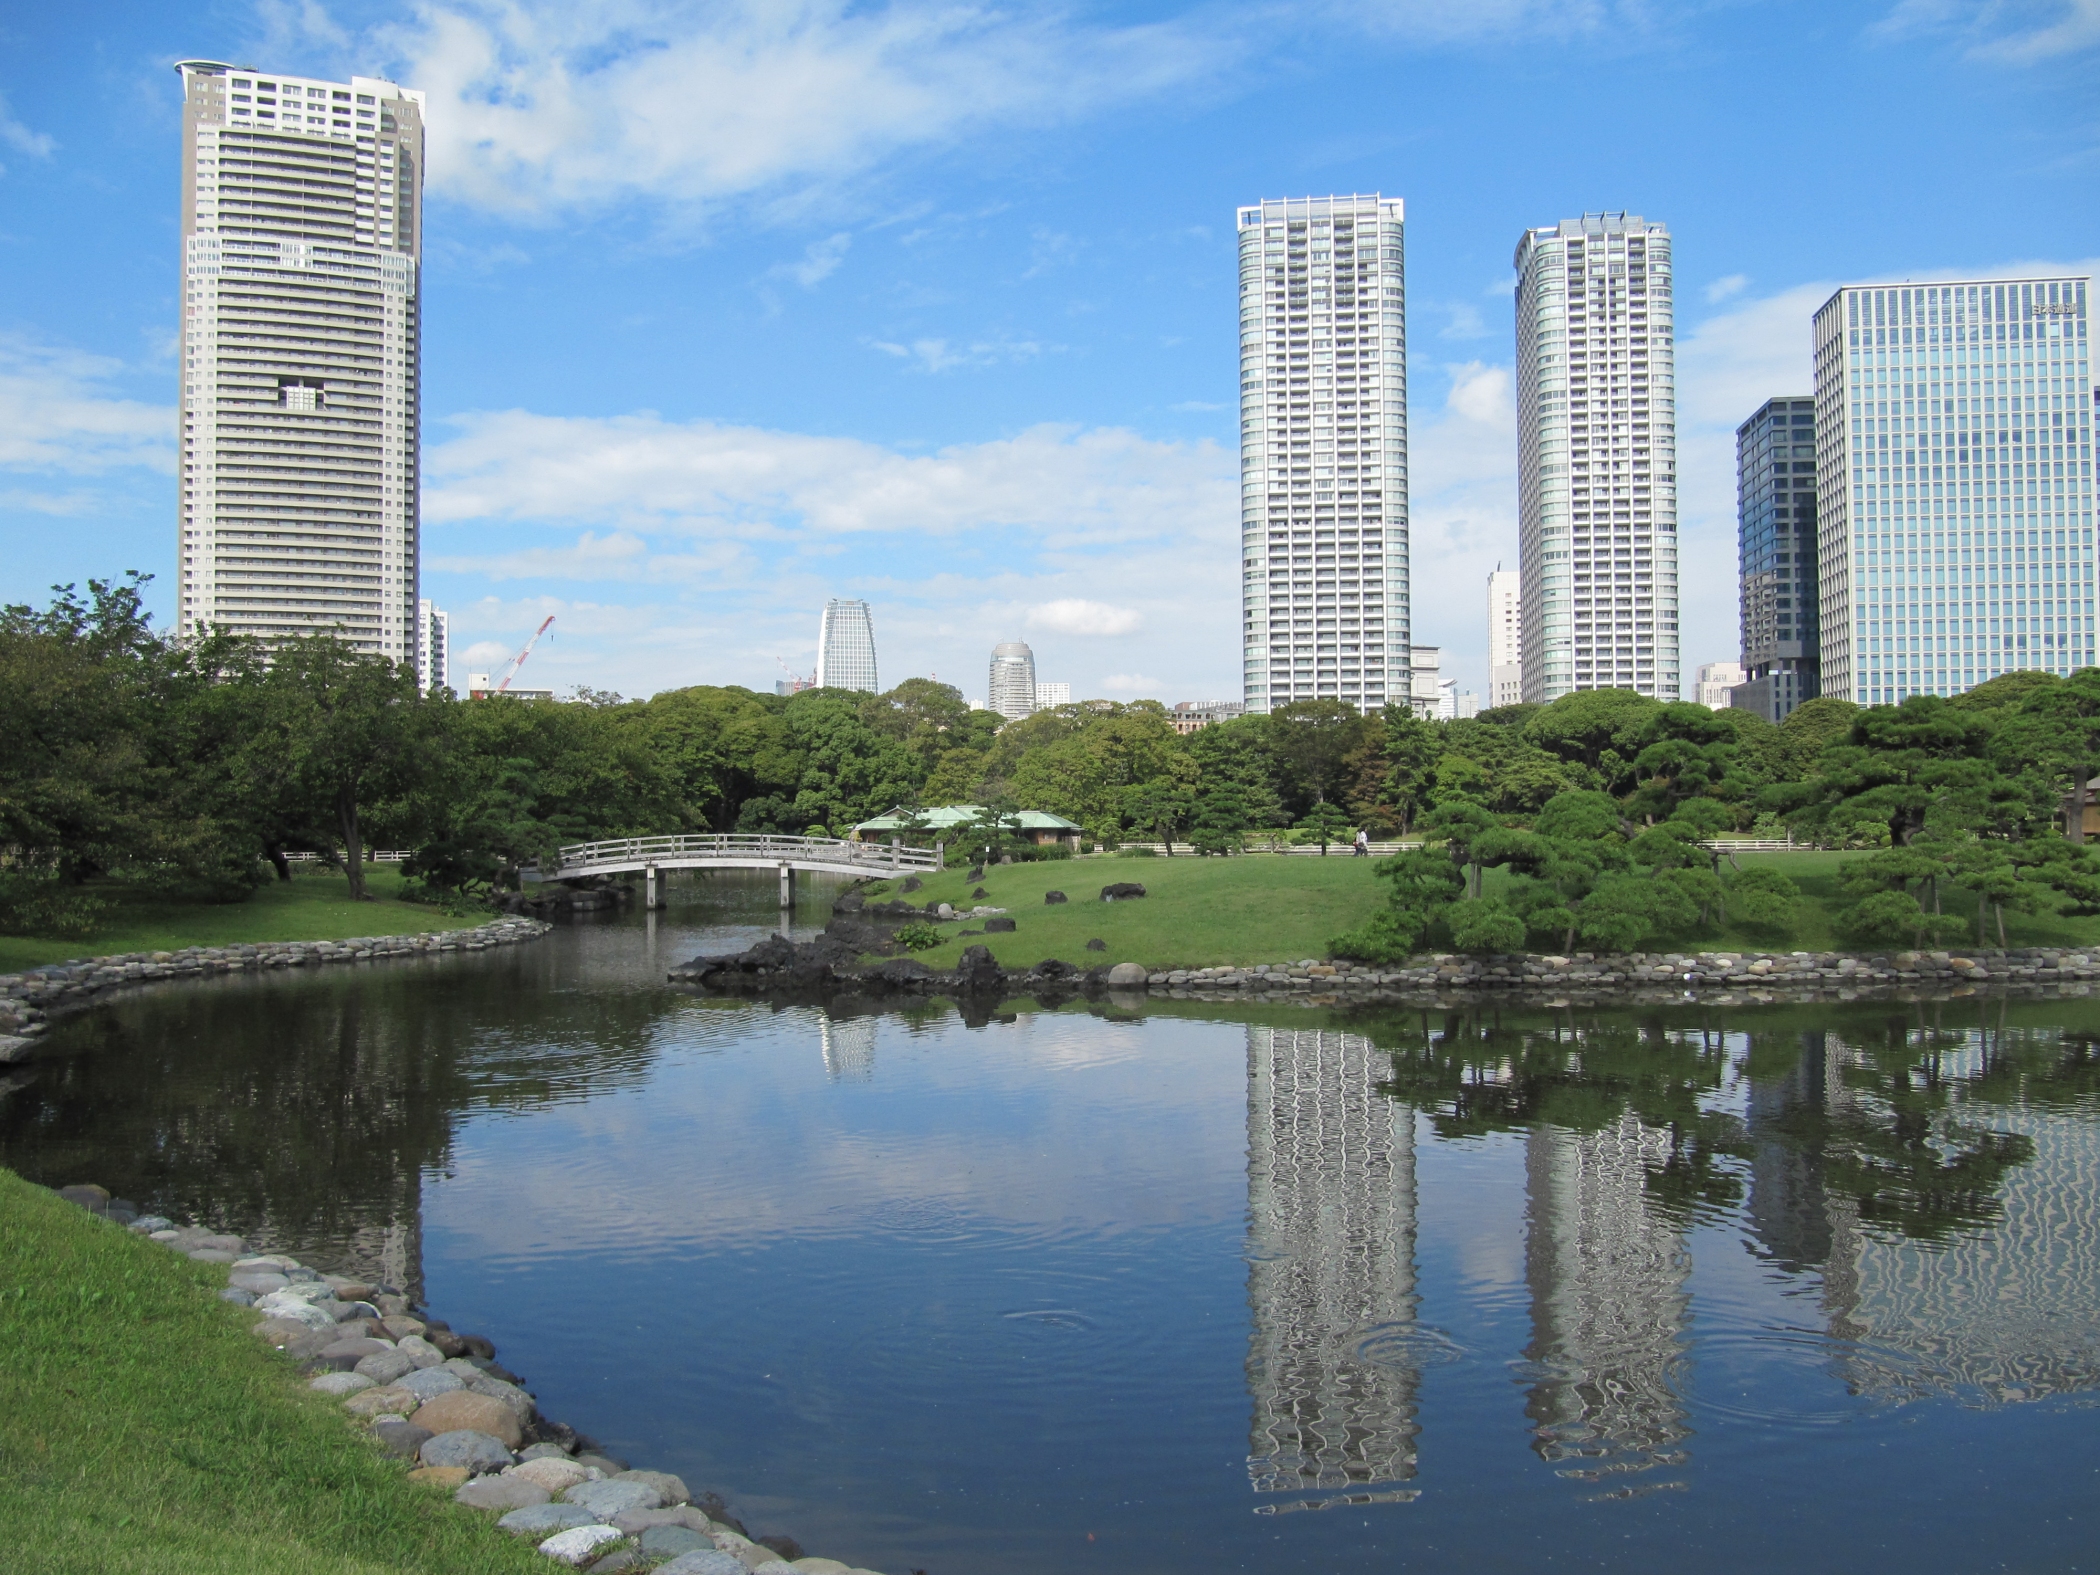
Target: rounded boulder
column 464, row 1447
column 1128, row 974
column 465, row 1411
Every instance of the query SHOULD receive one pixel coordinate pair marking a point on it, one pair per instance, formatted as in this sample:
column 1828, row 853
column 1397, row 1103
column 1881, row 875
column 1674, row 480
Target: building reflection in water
column 1331, row 1279
column 2000, row 1308
column 1609, row 1308
column 849, row 1047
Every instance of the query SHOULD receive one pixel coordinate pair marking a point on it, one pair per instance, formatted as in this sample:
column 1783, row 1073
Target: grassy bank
column 1200, row 913
column 147, row 1433
column 314, row 905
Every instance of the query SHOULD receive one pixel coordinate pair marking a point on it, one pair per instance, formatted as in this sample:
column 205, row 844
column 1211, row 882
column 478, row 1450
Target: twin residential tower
column 301, row 342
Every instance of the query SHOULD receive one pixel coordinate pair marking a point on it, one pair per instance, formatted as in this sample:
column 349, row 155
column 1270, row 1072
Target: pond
column 1210, row 1288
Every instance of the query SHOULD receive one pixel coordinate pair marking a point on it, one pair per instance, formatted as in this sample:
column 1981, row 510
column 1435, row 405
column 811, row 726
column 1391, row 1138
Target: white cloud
column 57, row 414
column 819, row 261
column 537, row 107
column 2018, row 32
column 1074, row 615
column 36, row 144
column 1722, row 289
column 941, row 355
column 1066, row 486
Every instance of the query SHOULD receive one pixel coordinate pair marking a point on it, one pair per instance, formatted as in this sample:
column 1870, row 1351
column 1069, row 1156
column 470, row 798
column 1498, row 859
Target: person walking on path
column 1363, row 844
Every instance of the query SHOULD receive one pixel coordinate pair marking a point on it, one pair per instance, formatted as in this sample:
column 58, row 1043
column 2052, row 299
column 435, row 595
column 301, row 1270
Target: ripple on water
column 1408, row 1347
column 1051, row 1318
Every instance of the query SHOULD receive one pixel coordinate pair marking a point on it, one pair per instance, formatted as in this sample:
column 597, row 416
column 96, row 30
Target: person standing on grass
column 1363, row 844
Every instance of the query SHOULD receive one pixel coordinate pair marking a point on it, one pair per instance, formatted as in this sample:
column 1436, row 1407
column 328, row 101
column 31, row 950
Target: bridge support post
column 652, row 893
column 896, row 857
column 787, row 888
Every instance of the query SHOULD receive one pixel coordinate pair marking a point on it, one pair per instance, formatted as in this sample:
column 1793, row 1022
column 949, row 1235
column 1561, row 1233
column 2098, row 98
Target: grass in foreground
column 1201, row 913
column 147, row 1433
column 312, row 906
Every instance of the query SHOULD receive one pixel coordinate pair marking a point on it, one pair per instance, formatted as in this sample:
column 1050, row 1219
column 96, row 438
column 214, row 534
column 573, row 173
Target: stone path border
column 30, row 998
column 440, row 1403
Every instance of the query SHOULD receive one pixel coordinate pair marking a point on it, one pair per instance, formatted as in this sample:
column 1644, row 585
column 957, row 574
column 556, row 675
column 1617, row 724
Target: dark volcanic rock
column 999, row 925
column 1097, row 945
column 976, row 873
column 784, row 1545
column 851, row 902
column 978, row 970
column 980, row 893
column 1053, row 897
column 1122, row 891
column 911, row 883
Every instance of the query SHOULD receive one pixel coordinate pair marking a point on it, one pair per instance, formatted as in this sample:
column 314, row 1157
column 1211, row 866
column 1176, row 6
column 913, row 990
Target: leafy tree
column 1312, row 740
column 1624, row 911
column 1223, row 817
column 1324, row 823
column 1160, row 807
column 1760, row 898
column 1599, row 730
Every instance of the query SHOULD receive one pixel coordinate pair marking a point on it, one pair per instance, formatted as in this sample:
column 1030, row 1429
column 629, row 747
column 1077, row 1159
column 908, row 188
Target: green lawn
column 1205, row 912
column 313, row 906
column 1197, row 913
column 147, row 1433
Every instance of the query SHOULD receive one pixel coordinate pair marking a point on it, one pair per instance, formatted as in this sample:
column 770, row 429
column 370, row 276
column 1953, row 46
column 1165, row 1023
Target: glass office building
column 1011, row 685
column 846, row 646
column 1775, row 503
column 1954, row 454
column 1323, row 451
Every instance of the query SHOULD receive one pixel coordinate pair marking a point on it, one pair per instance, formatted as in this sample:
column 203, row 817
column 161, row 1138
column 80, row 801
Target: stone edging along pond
column 29, row 998
column 442, row 1404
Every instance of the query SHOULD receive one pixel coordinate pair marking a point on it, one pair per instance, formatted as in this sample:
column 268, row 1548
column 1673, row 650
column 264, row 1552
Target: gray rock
column 401, row 1440
column 501, row 1493
column 496, row 1389
column 1000, row 925
column 606, row 1499
column 343, row 1383
column 426, row 1384
column 385, row 1366
column 579, row 1545
column 1054, row 897
column 621, row 1560
column 542, row 1519
column 1126, row 974
column 1097, row 945
column 421, row 1352
column 670, row 1541
column 238, row 1297
column 147, row 1224
column 260, row 1281
column 464, row 1447
column 636, row 1521
column 344, row 1355
column 669, row 1489
column 541, row 1451
column 702, row 1562
column 611, row 1465
column 213, row 1255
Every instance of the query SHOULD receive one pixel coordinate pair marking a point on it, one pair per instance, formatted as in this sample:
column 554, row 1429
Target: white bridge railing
column 741, row 850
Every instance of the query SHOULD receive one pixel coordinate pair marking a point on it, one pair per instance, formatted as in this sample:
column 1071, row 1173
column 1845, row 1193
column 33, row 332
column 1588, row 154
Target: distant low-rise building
column 1716, row 679
column 433, row 647
column 1192, row 716
column 1425, row 680
column 1505, row 637
column 480, row 686
column 1052, row 694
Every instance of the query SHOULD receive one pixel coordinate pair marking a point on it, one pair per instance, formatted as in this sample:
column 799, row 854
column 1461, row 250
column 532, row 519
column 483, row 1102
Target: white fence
column 743, row 851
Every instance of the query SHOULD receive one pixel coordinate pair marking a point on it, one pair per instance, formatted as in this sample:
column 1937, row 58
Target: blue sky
column 733, row 307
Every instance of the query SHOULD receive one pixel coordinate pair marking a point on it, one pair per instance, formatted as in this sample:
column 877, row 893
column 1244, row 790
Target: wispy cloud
column 59, row 414
column 819, row 261
column 1722, row 289
column 13, row 134
column 943, row 355
column 538, row 107
column 2017, row 32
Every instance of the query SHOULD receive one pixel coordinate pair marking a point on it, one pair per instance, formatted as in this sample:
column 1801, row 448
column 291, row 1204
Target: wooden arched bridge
column 652, row 856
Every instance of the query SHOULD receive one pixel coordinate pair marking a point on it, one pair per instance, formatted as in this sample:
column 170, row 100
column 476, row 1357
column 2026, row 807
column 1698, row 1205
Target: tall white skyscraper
column 1505, row 637
column 1323, row 451
column 433, row 647
column 1011, row 690
column 1597, row 457
column 846, row 646
column 302, row 230
column 1954, row 484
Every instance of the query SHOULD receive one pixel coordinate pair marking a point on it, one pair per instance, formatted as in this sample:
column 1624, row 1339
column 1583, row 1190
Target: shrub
column 1763, row 900
column 1486, row 925
column 918, row 937
column 1387, row 937
column 1137, row 853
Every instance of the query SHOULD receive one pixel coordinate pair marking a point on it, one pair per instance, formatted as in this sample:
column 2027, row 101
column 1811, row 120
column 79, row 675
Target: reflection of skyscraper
column 849, row 1047
column 1331, row 1206
column 2010, row 1311
column 1609, row 1305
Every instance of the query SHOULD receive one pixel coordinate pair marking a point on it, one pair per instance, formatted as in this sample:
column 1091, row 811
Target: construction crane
column 797, row 683
column 518, row 661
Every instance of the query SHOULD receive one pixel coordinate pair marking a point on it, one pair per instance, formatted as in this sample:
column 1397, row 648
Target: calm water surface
column 1218, row 1289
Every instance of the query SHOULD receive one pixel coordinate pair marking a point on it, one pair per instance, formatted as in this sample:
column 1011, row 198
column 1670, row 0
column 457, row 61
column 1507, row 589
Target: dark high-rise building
column 1775, row 490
